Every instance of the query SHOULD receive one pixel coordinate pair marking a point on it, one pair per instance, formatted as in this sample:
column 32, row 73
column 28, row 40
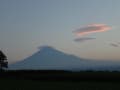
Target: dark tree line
column 3, row 61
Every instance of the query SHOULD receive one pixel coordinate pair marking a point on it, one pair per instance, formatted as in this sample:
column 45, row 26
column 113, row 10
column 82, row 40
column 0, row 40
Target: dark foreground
column 59, row 80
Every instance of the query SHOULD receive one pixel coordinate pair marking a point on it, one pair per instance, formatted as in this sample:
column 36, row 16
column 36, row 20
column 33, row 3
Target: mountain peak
column 45, row 47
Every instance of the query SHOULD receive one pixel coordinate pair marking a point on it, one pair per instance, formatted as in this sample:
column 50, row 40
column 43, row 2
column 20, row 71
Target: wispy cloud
column 83, row 39
column 92, row 28
column 117, row 44
column 114, row 45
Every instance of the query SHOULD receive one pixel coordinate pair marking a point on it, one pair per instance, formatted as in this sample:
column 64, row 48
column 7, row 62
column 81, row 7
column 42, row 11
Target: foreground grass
column 16, row 84
column 59, row 80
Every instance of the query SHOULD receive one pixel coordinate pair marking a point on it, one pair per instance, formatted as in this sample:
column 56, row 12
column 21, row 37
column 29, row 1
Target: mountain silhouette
column 48, row 58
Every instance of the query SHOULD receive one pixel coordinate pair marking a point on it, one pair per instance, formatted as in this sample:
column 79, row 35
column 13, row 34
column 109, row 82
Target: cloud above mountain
column 92, row 28
column 83, row 39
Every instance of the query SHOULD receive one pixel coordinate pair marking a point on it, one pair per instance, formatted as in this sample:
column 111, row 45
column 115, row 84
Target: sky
column 85, row 28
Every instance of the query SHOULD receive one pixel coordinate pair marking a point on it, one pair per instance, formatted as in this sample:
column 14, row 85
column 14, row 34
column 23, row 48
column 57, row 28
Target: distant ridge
column 48, row 58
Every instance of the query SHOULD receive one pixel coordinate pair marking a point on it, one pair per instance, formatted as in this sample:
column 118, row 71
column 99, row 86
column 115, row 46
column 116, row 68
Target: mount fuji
column 48, row 58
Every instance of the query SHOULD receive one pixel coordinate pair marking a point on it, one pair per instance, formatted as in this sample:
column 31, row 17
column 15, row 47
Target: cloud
column 114, row 45
column 83, row 39
column 92, row 28
column 117, row 44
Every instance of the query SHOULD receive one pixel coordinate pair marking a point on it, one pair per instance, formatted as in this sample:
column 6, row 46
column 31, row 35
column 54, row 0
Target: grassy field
column 13, row 84
column 19, row 83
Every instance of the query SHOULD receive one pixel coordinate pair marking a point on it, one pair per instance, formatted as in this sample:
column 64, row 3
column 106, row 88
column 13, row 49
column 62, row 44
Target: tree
column 3, row 61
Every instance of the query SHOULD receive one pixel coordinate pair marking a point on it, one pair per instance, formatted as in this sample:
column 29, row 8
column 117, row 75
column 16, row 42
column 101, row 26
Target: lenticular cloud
column 83, row 39
column 93, row 28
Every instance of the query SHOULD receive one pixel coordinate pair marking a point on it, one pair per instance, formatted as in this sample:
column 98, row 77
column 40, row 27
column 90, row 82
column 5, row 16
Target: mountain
column 48, row 58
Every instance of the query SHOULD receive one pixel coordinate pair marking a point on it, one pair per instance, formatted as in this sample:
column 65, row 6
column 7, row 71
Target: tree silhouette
column 3, row 61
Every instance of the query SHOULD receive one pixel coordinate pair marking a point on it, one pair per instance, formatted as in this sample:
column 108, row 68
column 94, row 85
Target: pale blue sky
column 28, row 24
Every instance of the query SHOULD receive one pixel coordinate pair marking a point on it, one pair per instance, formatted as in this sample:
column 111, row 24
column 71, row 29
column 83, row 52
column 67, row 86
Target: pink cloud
column 92, row 28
